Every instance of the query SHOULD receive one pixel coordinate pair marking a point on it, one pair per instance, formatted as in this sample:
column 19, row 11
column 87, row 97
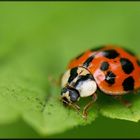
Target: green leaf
column 114, row 109
column 26, row 92
column 37, row 40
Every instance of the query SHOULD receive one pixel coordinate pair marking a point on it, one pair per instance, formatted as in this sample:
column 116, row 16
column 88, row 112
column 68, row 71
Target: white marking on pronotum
column 86, row 88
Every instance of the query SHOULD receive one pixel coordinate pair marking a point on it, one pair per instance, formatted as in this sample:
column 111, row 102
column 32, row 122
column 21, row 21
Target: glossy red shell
column 115, row 67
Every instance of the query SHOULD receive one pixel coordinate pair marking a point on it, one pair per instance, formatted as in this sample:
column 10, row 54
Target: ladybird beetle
column 111, row 69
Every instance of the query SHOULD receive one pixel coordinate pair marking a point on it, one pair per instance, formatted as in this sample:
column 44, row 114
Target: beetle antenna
column 74, row 106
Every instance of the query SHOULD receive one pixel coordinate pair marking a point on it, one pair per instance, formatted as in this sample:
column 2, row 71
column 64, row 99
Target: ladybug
column 111, row 69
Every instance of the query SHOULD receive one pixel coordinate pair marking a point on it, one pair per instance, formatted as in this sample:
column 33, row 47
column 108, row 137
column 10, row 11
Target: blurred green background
column 63, row 30
column 101, row 128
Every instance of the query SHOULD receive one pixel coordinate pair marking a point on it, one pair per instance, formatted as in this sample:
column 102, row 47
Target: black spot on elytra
column 97, row 48
column 127, row 65
column 83, row 78
column 80, row 55
column 111, row 54
column 73, row 74
column 88, row 61
column 110, row 77
column 104, row 66
column 128, row 83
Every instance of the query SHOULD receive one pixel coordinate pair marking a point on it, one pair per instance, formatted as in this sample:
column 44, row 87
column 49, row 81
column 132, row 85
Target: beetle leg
column 136, row 91
column 88, row 105
column 124, row 102
column 74, row 106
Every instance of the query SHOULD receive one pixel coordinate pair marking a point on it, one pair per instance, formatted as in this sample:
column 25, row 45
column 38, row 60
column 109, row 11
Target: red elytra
column 115, row 70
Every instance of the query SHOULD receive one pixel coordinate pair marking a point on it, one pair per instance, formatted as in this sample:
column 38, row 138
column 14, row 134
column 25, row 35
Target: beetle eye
column 69, row 94
column 74, row 95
